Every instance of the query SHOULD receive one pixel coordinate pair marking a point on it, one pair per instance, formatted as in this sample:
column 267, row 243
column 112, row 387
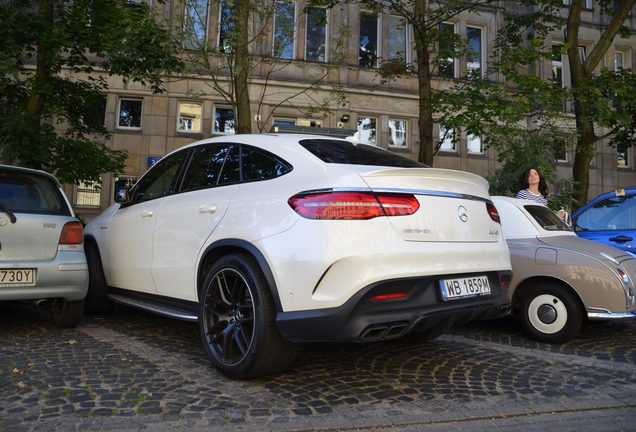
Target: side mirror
column 122, row 196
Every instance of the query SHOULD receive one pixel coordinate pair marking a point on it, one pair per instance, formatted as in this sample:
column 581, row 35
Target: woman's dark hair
column 523, row 181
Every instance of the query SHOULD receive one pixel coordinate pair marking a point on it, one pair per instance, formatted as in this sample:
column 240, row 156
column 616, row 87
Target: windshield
column 349, row 153
column 545, row 217
column 28, row 193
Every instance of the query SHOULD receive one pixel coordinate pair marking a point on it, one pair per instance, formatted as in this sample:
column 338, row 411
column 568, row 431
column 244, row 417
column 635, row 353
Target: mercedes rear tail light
column 352, row 204
column 493, row 213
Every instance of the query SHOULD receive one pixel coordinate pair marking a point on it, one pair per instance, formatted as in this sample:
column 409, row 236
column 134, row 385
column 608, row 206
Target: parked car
column 609, row 218
column 42, row 259
column 269, row 240
column 560, row 279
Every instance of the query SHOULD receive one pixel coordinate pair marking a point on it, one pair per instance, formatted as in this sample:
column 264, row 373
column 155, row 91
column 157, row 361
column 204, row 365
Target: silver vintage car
column 560, row 279
column 42, row 259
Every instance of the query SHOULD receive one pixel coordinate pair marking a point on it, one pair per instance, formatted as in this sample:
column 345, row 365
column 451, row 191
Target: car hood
column 592, row 248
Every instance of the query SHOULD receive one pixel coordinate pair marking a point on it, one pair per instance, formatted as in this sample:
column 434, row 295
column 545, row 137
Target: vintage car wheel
column 550, row 313
column 66, row 314
column 97, row 301
column 237, row 321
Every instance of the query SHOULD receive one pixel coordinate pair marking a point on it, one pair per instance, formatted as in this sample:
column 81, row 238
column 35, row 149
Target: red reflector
column 352, row 205
column 492, row 211
column 72, row 233
column 505, row 284
column 388, row 296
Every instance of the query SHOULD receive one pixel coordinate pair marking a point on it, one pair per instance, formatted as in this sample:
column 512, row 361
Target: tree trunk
column 39, row 89
column 242, row 59
column 425, row 118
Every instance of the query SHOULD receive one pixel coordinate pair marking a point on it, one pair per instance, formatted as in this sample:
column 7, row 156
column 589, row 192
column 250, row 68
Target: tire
column 96, row 298
column 66, row 314
column 237, row 321
column 550, row 313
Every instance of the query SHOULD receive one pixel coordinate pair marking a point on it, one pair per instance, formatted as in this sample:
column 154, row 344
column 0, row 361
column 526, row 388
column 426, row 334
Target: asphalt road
column 136, row 371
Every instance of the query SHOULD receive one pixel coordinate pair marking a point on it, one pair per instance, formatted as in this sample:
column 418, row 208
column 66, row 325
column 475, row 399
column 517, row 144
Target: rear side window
column 545, row 217
column 205, row 166
column 27, row 193
column 610, row 214
column 258, row 165
column 345, row 152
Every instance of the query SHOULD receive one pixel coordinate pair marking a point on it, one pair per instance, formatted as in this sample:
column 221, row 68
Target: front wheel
column 237, row 321
column 97, row 301
column 550, row 313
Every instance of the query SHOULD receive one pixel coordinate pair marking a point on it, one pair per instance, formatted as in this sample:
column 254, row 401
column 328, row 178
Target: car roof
column 31, row 172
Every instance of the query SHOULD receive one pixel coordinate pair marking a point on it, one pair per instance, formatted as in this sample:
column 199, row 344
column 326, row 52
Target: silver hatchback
column 42, row 259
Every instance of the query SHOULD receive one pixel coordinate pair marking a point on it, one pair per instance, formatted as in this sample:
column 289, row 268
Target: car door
column 130, row 229
column 186, row 219
column 611, row 221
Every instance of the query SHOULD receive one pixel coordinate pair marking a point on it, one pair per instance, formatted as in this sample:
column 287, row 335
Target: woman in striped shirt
column 535, row 188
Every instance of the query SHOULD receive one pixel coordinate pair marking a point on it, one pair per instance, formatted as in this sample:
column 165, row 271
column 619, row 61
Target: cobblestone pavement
column 132, row 370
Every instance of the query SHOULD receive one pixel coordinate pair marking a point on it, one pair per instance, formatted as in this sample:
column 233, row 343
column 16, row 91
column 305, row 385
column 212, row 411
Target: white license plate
column 464, row 287
column 19, row 277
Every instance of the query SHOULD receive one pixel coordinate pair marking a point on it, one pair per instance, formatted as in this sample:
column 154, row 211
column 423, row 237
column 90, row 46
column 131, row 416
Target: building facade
column 151, row 125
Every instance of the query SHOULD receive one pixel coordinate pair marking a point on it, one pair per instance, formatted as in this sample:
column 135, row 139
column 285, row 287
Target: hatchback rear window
column 26, row 193
column 349, row 153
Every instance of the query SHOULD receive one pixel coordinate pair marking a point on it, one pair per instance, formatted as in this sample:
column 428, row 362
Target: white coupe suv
column 269, row 240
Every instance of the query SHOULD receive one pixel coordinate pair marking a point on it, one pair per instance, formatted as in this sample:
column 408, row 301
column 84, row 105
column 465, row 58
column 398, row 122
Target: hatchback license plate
column 16, row 276
column 465, row 287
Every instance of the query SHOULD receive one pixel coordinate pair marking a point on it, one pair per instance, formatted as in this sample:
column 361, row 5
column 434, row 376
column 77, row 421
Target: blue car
column 609, row 218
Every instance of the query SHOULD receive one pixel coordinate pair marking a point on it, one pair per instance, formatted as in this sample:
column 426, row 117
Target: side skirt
column 160, row 305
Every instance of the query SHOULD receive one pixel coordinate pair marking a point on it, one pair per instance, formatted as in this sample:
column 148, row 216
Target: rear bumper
column 65, row 277
column 362, row 320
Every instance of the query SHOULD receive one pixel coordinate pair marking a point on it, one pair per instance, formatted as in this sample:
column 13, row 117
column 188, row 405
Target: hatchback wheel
column 237, row 321
column 551, row 314
column 67, row 314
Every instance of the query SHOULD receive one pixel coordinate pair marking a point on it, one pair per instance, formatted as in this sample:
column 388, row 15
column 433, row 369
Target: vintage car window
column 27, row 193
column 615, row 213
column 258, row 165
column 545, row 217
column 205, row 166
column 345, row 152
column 160, row 180
column 231, row 173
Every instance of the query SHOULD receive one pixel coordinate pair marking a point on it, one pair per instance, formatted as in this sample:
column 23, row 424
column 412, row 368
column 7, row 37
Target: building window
column 623, row 156
column 284, row 28
column 195, row 23
column 397, row 38
column 446, row 137
column 557, row 65
column 224, row 120
column 367, row 130
column 316, row 42
column 284, row 121
column 130, row 113
column 309, row 122
column 87, row 195
column 561, row 150
column 190, row 117
column 446, row 50
column 474, row 144
column 474, row 60
column 226, row 27
column 368, row 52
column 397, row 133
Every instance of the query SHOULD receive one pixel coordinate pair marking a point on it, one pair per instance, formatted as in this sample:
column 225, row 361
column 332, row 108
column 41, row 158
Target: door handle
column 207, row 208
column 621, row 238
column 147, row 213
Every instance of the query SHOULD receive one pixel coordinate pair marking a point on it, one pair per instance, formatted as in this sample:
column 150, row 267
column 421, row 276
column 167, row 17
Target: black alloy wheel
column 237, row 321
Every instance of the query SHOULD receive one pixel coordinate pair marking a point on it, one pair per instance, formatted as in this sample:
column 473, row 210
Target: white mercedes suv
column 270, row 240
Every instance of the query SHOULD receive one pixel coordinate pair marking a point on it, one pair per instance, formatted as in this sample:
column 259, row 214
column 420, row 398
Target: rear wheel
column 237, row 321
column 96, row 298
column 67, row 314
column 550, row 313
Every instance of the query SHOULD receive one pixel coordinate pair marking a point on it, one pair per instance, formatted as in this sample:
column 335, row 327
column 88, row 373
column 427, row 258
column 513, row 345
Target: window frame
column 326, row 41
column 407, row 38
column 628, row 158
column 375, row 139
column 82, row 188
column 216, row 108
column 454, row 59
column 205, row 25
column 481, row 151
column 141, row 115
column 295, row 25
column 441, row 130
column 191, row 131
column 406, row 133
column 378, row 41
column 482, row 45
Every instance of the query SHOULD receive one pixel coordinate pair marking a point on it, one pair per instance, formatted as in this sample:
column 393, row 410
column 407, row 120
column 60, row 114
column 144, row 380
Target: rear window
column 545, row 217
column 349, row 153
column 27, row 193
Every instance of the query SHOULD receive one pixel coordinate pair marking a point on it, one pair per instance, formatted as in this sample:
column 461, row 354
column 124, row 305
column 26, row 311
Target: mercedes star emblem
column 463, row 213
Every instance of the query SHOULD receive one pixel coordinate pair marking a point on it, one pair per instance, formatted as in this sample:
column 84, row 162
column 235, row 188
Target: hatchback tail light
column 493, row 213
column 352, row 205
column 72, row 233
